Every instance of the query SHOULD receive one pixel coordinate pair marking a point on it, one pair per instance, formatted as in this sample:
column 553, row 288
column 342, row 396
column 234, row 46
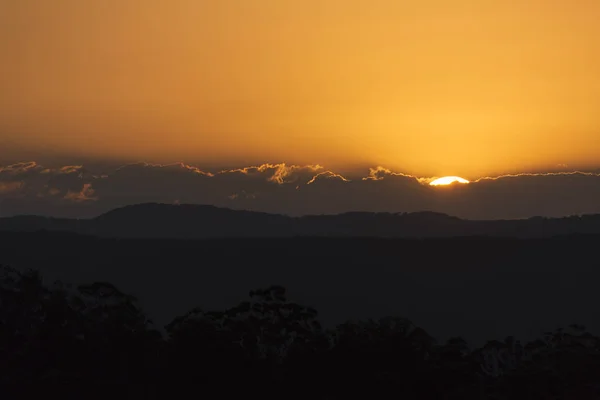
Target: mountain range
column 188, row 221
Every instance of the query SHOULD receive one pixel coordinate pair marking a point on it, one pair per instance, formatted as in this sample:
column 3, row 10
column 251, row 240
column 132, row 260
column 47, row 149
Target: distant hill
column 200, row 221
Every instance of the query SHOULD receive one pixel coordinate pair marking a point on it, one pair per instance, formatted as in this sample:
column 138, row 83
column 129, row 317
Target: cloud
column 177, row 167
column 19, row 168
column 380, row 173
column 327, row 175
column 85, row 194
column 70, row 169
column 538, row 174
column 75, row 191
column 278, row 173
column 10, row 187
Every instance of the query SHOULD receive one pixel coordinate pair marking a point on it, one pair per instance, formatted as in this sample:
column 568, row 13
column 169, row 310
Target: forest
column 94, row 340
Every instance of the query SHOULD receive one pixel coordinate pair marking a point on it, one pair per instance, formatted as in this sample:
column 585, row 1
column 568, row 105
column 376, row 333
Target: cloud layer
column 74, row 191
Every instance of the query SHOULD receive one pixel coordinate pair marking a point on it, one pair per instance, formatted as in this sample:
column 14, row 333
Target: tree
column 120, row 344
column 387, row 354
column 255, row 340
column 61, row 334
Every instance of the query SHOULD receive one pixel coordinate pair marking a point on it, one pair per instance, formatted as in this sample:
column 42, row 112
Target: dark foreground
column 430, row 319
column 478, row 288
column 94, row 341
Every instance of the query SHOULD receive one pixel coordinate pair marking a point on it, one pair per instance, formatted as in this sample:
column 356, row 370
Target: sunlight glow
column 447, row 180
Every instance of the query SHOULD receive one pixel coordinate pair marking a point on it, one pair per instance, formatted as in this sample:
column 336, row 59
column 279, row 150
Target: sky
column 429, row 88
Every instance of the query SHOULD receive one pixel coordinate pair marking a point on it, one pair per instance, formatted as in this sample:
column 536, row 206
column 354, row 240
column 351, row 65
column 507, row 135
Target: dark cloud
column 85, row 194
column 75, row 191
column 10, row 187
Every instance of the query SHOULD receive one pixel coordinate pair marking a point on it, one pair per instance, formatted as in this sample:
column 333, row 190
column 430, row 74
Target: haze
column 428, row 87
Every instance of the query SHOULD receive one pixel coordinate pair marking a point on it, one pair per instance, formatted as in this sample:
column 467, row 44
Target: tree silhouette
column 391, row 352
column 59, row 334
column 259, row 338
column 114, row 322
column 95, row 336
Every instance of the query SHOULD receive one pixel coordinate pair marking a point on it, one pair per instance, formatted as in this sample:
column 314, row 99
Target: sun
column 447, row 180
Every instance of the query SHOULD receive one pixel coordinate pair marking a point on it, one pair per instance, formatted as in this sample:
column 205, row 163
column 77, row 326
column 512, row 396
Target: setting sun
column 447, row 180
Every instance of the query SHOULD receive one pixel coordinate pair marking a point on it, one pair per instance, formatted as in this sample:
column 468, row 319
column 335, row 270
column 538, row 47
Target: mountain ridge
column 190, row 221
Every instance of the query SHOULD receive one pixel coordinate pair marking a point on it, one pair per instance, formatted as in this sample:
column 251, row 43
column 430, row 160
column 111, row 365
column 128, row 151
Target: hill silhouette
column 202, row 221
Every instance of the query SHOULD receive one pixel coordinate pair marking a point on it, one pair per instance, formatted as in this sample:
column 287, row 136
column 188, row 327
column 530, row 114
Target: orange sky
column 429, row 87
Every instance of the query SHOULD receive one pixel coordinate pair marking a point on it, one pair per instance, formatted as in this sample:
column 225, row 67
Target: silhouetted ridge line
column 186, row 221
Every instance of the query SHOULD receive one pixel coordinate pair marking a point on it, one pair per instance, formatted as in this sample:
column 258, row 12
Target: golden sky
column 429, row 87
